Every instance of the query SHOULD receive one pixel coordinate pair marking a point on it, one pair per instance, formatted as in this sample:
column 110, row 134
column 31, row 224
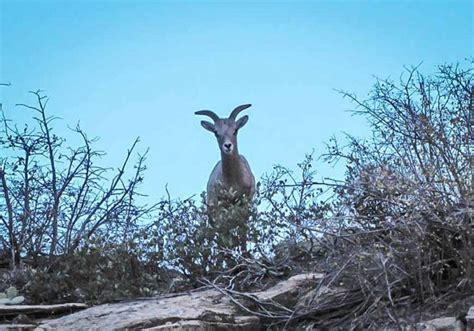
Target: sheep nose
column 228, row 145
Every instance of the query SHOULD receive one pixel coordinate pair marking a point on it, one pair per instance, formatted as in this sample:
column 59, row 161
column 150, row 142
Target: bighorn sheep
column 232, row 173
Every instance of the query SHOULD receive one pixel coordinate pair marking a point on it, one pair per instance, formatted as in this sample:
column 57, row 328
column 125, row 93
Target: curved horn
column 209, row 113
column 237, row 110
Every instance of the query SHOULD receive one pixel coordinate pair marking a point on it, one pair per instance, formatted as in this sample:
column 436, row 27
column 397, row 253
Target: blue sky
column 141, row 68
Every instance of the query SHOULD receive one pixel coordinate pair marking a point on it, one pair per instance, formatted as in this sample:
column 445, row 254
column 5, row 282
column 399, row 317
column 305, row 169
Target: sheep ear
column 242, row 121
column 208, row 126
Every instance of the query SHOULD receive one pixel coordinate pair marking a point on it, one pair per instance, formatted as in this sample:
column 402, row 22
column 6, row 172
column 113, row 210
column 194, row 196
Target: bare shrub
column 398, row 237
column 54, row 197
column 104, row 270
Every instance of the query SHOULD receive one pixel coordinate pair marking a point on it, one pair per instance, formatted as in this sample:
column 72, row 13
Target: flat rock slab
column 288, row 289
column 206, row 305
column 6, row 310
column 241, row 323
column 17, row 327
column 200, row 310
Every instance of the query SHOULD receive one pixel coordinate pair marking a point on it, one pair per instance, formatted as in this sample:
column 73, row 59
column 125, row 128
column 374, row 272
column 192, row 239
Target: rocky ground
column 203, row 309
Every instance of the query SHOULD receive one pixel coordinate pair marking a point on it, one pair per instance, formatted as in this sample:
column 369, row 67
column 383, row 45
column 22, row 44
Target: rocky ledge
column 205, row 309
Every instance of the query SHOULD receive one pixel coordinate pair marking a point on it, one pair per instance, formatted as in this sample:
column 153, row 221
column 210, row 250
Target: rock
column 470, row 319
column 241, row 323
column 22, row 319
column 197, row 310
column 144, row 314
column 286, row 292
column 17, row 327
column 442, row 324
column 40, row 309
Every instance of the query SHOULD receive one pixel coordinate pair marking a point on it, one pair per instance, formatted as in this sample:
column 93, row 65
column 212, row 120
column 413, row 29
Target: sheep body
column 232, row 174
column 237, row 177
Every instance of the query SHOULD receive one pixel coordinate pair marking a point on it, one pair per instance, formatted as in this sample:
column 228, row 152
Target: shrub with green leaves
column 101, row 271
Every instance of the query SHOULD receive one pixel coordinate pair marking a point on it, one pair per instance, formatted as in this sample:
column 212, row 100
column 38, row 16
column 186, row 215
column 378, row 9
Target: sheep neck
column 231, row 168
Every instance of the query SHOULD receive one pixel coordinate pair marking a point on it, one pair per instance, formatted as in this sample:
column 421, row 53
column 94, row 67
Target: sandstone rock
column 442, row 324
column 40, row 309
column 197, row 311
column 241, row 323
column 317, row 296
column 142, row 314
column 470, row 319
column 286, row 292
column 17, row 327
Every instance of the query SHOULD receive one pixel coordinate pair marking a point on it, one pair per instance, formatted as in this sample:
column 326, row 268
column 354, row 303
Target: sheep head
column 225, row 129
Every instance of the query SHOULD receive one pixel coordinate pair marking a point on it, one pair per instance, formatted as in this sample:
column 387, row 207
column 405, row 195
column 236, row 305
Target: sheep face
column 226, row 131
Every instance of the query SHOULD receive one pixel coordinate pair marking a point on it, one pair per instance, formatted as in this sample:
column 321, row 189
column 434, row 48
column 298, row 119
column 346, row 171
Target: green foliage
column 194, row 237
column 101, row 271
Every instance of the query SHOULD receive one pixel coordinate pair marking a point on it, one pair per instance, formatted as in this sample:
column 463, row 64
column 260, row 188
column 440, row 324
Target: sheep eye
column 216, row 134
column 235, row 132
